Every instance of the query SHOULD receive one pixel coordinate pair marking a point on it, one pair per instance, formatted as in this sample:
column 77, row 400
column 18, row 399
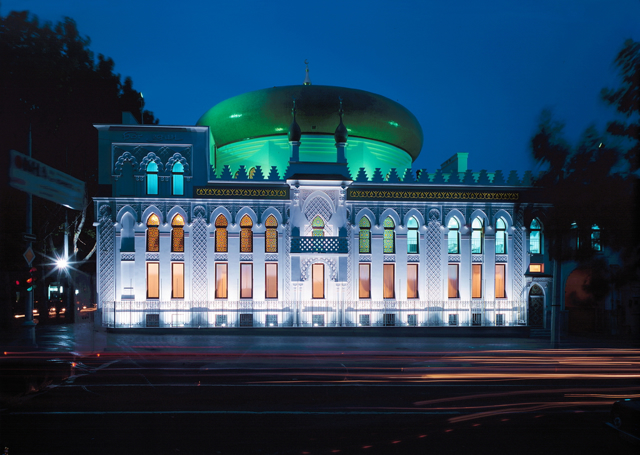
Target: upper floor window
column 365, row 235
column 454, row 236
column 389, row 241
column 412, row 236
column 222, row 245
column 535, row 237
column 246, row 234
column 177, row 234
column 177, row 179
column 501, row 236
column 152, row 178
column 317, row 224
column 153, row 233
column 595, row 238
column 271, row 235
column 477, row 236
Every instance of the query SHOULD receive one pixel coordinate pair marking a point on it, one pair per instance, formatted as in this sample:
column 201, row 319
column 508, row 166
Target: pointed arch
column 365, row 235
column 177, row 234
column 389, row 240
column 271, row 235
column 153, row 233
column 246, row 234
column 222, row 242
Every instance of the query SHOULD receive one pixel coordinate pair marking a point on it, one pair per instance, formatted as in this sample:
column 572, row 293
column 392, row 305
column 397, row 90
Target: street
column 301, row 395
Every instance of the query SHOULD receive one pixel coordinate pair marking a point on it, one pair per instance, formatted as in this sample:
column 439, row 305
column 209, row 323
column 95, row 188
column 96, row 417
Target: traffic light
column 32, row 278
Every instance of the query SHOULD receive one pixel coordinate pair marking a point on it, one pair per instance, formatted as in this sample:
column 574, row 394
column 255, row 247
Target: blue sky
column 476, row 74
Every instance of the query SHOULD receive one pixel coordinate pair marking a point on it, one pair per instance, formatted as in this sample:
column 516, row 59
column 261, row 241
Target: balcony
column 319, row 245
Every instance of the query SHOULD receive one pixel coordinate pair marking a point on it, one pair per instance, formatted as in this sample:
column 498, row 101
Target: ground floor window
column 365, row 281
column 388, row 280
column 177, row 280
column 317, row 277
column 500, row 281
column 153, row 280
column 476, row 281
column 221, row 280
column 271, row 281
column 453, row 281
column 412, row 281
column 246, row 281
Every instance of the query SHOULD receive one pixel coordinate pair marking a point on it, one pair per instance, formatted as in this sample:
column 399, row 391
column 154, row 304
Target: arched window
column 177, row 179
column 177, row 234
column 153, row 233
column 389, row 241
column 477, row 236
column 271, row 235
column 152, row 178
column 365, row 235
column 595, row 238
column 454, row 236
column 535, row 237
column 501, row 236
column 317, row 224
column 222, row 245
column 246, row 235
column 412, row 236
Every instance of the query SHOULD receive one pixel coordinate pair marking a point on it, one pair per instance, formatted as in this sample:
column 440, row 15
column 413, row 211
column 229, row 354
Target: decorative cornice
column 385, row 195
column 242, row 193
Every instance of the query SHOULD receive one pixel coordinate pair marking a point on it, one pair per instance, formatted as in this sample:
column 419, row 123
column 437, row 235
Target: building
column 296, row 206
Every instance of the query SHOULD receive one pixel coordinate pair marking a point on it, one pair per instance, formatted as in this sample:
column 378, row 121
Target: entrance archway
column 536, row 306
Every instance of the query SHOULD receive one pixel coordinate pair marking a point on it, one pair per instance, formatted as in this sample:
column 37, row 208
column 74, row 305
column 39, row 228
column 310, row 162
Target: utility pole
column 28, row 315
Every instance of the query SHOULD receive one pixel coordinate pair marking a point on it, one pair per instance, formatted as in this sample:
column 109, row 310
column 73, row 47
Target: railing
column 319, row 245
column 313, row 313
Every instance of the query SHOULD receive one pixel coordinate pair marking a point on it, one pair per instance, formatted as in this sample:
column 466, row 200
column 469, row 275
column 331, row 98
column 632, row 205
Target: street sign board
column 29, row 237
column 29, row 256
column 37, row 178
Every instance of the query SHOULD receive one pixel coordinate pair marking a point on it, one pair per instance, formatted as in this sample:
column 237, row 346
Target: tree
column 626, row 100
column 53, row 90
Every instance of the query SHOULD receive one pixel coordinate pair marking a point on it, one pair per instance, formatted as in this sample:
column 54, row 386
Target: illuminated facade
column 257, row 218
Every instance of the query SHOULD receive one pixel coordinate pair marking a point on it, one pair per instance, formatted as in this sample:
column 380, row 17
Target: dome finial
column 341, row 133
column 307, row 80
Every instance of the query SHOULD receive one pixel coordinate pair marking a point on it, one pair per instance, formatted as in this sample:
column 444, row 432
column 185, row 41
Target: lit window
column 536, row 268
column 535, row 237
column 177, row 179
column 476, row 281
column 477, row 235
column 388, row 281
column 317, row 277
column 365, row 235
column 221, row 280
column 271, row 235
column 318, row 226
column 453, row 281
column 595, row 238
column 177, row 234
column 412, row 281
column 221, row 234
column 177, row 280
column 412, row 236
column 271, row 280
column 153, row 280
column 246, row 281
column 365, row 281
column 246, row 234
column 500, row 281
column 153, row 233
column 389, row 241
column 501, row 236
column 152, row 178
column 454, row 236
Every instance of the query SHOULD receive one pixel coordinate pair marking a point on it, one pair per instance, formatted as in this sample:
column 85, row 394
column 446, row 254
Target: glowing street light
column 62, row 263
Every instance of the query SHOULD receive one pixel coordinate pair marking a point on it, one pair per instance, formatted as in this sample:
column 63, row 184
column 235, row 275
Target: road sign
column 29, row 256
column 29, row 237
column 32, row 176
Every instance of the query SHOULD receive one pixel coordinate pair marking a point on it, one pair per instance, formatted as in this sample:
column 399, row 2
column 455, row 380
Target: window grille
column 365, row 320
column 389, row 320
column 453, row 319
column 221, row 320
column 476, row 319
column 318, row 320
column 246, row 320
column 271, row 320
column 499, row 319
column 412, row 319
column 153, row 320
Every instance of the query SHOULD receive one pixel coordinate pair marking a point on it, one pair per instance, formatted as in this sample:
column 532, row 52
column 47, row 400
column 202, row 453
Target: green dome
column 267, row 113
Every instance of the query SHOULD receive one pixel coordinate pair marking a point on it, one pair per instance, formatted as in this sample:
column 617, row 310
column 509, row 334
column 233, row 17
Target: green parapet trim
column 354, row 194
column 242, row 192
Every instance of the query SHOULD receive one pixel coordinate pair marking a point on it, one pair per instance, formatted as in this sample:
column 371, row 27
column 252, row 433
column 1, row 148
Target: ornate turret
column 294, row 135
column 307, row 80
column 341, row 136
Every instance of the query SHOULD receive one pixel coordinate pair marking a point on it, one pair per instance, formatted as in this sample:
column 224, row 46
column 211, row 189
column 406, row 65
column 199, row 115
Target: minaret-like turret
column 294, row 136
column 307, row 80
column 341, row 136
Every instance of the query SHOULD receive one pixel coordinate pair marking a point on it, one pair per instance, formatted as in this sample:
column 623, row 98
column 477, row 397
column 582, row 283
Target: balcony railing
column 319, row 245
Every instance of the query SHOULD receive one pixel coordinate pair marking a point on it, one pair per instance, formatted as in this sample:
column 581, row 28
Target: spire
column 307, row 81
column 341, row 133
column 294, row 128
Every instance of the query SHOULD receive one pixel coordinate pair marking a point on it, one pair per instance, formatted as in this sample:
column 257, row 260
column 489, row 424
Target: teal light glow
column 393, row 124
column 279, row 129
column 152, row 178
column 235, row 116
column 178, row 179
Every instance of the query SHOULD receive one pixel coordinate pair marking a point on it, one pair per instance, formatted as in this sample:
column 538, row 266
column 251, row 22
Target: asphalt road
column 474, row 400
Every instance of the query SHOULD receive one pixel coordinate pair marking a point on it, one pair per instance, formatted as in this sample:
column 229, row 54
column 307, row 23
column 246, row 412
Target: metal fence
column 313, row 313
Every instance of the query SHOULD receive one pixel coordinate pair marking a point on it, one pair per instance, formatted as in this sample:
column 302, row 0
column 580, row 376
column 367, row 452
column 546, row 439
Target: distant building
column 262, row 215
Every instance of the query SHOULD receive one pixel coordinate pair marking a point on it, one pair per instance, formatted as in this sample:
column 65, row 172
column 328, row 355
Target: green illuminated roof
column 267, row 113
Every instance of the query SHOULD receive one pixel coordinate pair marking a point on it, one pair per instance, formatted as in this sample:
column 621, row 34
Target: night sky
column 476, row 74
